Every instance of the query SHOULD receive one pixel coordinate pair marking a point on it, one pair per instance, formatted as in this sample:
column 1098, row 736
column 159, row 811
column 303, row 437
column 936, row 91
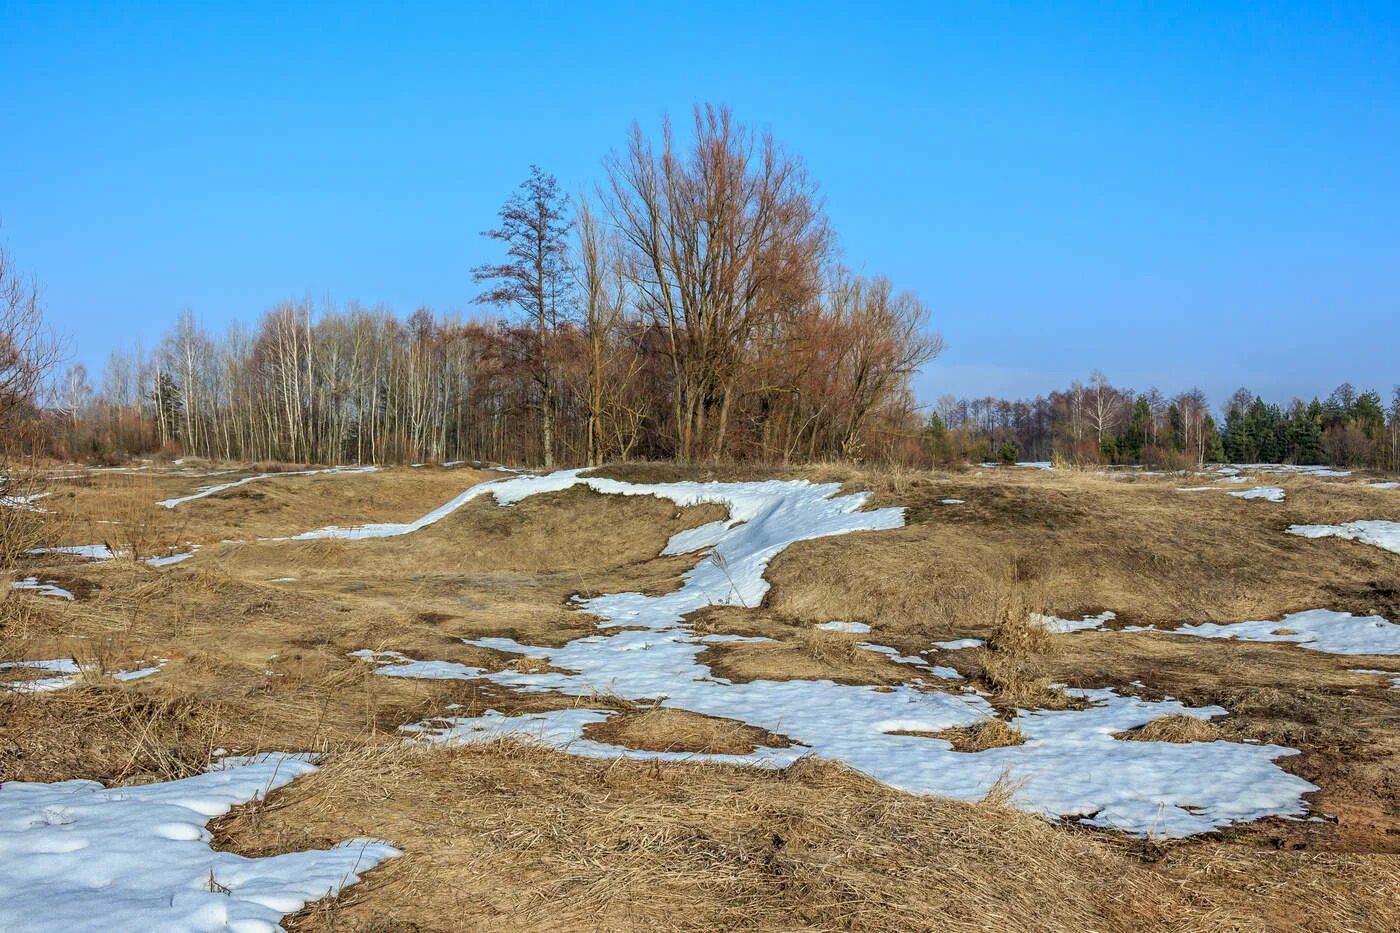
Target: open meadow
column 460, row 697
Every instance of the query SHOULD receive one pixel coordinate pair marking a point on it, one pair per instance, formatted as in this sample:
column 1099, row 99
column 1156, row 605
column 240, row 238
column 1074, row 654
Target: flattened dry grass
column 515, row 837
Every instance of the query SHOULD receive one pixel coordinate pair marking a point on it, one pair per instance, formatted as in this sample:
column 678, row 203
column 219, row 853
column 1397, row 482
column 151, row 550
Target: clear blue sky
column 1174, row 193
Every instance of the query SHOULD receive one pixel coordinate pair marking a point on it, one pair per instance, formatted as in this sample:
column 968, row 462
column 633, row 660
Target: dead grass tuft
column 1177, row 727
column 676, row 730
column 990, row 733
column 828, row 647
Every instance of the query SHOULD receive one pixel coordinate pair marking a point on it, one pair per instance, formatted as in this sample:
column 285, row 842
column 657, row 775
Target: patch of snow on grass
column 23, row 503
column 170, row 558
column 945, row 673
column 1291, row 468
column 78, row 855
column 1393, row 675
column 1385, row 485
column 951, row 501
column 957, row 643
column 1270, row 493
column 858, row 628
column 43, row 589
column 67, row 668
column 1319, row 629
column 1070, row 765
column 213, row 490
column 1063, row 626
column 89, row 551
column 1382, row 534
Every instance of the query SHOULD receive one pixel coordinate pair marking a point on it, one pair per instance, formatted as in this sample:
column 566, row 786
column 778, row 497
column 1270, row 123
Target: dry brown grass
column 676, row 730
column 1174, row 728
column 509, row 836
column 990, row 733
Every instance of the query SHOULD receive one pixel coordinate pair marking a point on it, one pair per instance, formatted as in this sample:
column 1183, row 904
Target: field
column 663, row 696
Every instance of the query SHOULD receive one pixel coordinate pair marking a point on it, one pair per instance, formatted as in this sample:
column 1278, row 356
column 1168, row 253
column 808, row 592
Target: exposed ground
column 511, row 836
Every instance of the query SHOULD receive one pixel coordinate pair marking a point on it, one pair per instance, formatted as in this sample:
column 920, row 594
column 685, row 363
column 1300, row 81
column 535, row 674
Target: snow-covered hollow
column 1381, row 534
column 1070, row 765
column 213, row 490
column 79, row 856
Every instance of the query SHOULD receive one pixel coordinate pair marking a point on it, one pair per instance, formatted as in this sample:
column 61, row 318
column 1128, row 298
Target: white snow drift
column 1382, row 534
column 76, row 855
column 1070, row 765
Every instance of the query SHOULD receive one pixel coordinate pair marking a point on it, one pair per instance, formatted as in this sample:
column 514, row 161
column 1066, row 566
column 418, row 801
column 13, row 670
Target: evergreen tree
column 1305, row 433
column 1236, row 443
column 1368, row 414
column 1176, row 428
column 1134, row 439
column 936, row 439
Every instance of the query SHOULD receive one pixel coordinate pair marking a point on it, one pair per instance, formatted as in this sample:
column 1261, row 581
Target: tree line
column 1096, row 422
column 691, row 306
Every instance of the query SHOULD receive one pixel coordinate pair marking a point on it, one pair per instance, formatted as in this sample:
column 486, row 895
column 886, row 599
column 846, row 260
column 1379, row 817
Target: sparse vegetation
column 256, row 665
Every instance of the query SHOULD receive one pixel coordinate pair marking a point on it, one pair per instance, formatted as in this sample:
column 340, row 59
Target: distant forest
column 691, row 306
column 1099, row 423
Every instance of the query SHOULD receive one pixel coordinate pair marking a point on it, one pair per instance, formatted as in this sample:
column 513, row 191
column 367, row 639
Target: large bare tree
column 723, row 233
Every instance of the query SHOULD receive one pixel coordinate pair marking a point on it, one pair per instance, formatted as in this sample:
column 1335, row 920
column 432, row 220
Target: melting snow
column 90, row 551
column 1069, row 766
column 1393, row 675
column 1062, row 626
column 170, row 558
column 1271, row 493
column 67, row 668
column 102, row 552
column 1319, row 629
column 1288, row 468
column 43, row 589
column 1386, row 485
column 951, row 501
column 957, row 643
column 211, row 490
column 1382, row 534
column 859, row 628
column 23, row 503
column 78, row 855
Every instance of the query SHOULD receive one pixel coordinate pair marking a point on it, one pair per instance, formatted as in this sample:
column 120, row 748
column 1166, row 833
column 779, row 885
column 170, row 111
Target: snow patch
column 957, row 643
column 1270, row 493
column 43, row 589
column 858, row 628
column 1382, row 534
column 79, row 855
column 1063, row 626
column 23, row 503
column 1318, row 629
